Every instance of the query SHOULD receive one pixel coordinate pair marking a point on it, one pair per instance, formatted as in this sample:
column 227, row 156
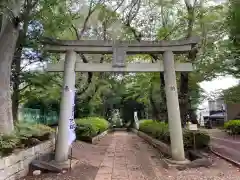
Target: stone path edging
column 237, row 164
column 119, row 129
column 164, row 148
column 100, row 136
column 226, row 140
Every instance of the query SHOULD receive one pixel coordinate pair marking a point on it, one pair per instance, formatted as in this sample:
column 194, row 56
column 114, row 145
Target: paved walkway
column 130, row 158
column 125, row 156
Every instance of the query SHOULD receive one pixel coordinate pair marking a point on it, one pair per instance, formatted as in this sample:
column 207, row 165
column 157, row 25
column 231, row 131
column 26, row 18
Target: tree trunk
column 155, row 111
column 8, row 40
column 184, row 97
column 16, row 64
column 16, row 67
column 184, row 79
column 163, row 108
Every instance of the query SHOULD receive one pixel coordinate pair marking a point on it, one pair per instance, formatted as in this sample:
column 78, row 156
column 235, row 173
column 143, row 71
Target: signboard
column 72, row 124
column 193, row 127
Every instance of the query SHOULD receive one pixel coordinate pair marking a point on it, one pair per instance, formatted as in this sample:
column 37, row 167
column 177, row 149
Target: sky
column 223, row 82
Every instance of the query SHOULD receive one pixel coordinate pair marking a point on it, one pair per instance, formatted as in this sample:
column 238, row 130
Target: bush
column 233, row 126
column 201, row 139
column 156, row 129
column 25, row 135
column 90, row 127
column 25, row 131
column 159, row 130
column 8, row 143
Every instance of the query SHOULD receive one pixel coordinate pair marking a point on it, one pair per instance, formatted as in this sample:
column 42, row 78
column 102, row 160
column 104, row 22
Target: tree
column 232, row 95
column 134, row 20
column 8, row 37
column 233, row 24
column 28, row 51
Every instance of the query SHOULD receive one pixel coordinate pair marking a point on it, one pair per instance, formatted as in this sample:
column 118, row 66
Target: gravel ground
column 125, row 156
column 221, row 170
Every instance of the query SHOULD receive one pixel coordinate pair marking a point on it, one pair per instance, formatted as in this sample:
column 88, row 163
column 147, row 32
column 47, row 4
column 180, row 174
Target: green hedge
column 233, row 126
column 159, row 130
column 90, row 126
column 25, row 135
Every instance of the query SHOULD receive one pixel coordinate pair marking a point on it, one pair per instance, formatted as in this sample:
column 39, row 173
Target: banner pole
column 71, row 159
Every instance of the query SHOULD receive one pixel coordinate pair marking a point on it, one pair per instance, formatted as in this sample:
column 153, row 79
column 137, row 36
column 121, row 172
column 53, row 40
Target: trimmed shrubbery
column 201, row 139
column 159, row 130
column 90, row 127
column 25, row 135
column 232, row 126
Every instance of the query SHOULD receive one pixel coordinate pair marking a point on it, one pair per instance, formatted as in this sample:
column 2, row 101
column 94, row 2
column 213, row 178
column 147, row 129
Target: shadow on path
column 90, row 157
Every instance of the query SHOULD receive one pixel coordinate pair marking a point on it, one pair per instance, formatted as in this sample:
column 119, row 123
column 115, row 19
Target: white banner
column 72, row 124
column 136, row 124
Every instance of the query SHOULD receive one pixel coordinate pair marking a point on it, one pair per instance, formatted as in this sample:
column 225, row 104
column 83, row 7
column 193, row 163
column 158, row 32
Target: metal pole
column 194, row 140
column 71, row 159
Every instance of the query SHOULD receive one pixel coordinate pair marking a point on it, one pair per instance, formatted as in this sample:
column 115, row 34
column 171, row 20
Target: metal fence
column 35, row 116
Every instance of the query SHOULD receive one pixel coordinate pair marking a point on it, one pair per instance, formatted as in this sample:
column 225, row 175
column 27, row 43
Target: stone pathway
column 129, row 158
column 125, row 156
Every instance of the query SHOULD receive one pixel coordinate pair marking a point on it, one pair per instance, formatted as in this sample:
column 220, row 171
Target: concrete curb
column 166, row 150
column 235, row 163
column 100, row 136
column 118, row 129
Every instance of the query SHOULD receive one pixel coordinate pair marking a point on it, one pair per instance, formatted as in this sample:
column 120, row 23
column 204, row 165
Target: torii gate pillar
column 174, row 119
column 62, row 147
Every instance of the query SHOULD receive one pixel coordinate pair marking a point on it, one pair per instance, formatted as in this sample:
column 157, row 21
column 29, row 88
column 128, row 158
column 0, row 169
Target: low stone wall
column 17, row 165
column 164, row 148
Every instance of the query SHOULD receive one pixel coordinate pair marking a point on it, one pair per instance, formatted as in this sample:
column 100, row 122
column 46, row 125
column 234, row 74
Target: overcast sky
column 217, row 84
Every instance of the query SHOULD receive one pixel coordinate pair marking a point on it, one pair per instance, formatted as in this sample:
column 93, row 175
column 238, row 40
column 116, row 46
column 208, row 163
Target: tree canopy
column 97, row 93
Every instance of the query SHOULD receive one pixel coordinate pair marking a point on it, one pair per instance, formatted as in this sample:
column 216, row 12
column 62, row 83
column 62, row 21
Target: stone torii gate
column 120, row 49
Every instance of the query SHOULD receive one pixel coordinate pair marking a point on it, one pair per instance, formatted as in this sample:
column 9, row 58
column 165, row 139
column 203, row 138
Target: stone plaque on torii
column 120, row 50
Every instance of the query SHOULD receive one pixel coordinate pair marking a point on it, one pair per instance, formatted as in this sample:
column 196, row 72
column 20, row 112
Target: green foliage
column 232, row 95
column 233, row 25
column 159, row 130
column 8, row 143
column 90, row 127
column 156, row 129
column 115, row 119
column 201, row 139
column 43, row 87
column 163, row 20
column 33, row 130
column 25, row 135
column 233, row 126
column 234, row 21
